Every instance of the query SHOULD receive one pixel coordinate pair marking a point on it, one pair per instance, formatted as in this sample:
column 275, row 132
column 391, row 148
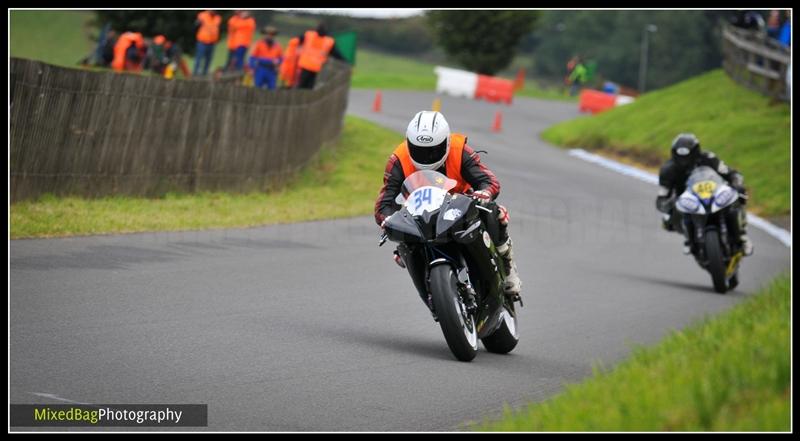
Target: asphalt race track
column 312, row 327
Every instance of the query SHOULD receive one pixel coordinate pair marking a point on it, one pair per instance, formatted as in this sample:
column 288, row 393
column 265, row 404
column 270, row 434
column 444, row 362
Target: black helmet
column 685, row 149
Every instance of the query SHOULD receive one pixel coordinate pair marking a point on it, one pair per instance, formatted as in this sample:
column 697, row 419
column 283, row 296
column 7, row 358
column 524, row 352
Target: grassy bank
column 57, row 37
column 729, row 373
column 342, row 181
column 742, row 127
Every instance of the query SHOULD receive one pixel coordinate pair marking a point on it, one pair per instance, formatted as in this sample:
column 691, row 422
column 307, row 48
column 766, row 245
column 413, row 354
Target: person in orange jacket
column 290, row 72
column 129, row 52
column 317, row 45
column 207, row 25
column 266, row 57
column 241, row 27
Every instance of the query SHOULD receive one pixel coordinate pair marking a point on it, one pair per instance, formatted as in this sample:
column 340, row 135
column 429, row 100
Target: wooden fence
column 89, row 133
column 756, row 61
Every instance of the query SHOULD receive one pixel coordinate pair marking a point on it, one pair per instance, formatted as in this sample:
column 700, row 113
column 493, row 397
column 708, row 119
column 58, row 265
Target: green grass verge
column 745, row 129
column 57, row 37
column 728, row 373
column 374, row 70
column 342, row 181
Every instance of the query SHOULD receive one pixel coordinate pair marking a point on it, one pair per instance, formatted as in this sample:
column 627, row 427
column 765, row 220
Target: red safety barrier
column 494, row 89
column 595, row 101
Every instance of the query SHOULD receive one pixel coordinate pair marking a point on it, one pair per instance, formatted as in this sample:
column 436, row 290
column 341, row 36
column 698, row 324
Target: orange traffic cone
column 376, row 106
column 519, row 82
column 498, row 122
column 437, row 105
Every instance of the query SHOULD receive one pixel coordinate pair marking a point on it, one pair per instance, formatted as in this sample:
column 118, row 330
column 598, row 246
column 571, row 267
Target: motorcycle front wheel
column 716, row 263
column 458, row 326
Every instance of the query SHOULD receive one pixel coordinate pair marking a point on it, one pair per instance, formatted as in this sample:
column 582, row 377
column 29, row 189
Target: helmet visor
column 684, row 156
column 427, row 154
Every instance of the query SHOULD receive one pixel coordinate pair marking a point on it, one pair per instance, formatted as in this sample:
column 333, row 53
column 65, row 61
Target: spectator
column 107, row 49
column 571, row 64
column 785, row 37
column 157, row 57
column 265, row 58
column 317, row 45
column 241, row 27
column 165, row 58
column 103, row 54
column 774, row 24
column 751, row 20
column 207, row 25
column 578, row 76
column 290, row 72
column 129, row 52
column 570, row 67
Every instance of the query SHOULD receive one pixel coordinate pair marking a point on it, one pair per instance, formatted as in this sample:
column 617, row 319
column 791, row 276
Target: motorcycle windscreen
column 423, row 178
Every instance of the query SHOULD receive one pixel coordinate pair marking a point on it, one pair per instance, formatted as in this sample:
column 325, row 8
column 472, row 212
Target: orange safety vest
column 240, row 31
column 452, row 164
column 315, row 51
column 261, row 50
column 209, row 27
column 289, row 69
column 121, row 48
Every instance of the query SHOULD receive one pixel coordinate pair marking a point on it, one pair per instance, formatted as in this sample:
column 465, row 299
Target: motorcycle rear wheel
column 506, row 337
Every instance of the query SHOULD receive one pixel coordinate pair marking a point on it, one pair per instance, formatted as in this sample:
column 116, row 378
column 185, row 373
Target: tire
column 461, row 335
column 506, row 337
column 716, row 264
column 734, row 282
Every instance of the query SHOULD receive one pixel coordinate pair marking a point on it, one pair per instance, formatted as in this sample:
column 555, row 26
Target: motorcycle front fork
column 468, row 291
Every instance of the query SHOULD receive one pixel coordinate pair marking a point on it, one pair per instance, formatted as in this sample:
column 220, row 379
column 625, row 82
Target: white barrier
column 456, row 82
column 621, row 100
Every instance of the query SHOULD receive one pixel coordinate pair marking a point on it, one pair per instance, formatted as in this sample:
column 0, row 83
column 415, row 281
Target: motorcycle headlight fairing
column 724, row 197
column 689, row 204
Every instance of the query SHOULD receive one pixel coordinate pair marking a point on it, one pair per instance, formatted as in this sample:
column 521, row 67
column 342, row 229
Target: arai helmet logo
column 425, row 139
column 683, row 151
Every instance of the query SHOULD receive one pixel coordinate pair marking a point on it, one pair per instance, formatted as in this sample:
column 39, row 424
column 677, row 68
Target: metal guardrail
column 89, row 133
column 756, row 61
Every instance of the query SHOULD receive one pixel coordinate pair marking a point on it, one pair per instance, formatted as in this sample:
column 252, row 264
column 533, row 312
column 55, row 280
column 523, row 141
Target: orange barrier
column 595, row 101
column 494, row 89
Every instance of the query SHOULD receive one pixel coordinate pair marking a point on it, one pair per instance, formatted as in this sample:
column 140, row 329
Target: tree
column 481, row 41
column 686, row 44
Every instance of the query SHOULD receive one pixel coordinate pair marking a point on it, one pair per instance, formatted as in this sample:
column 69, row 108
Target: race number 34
column 422, row 196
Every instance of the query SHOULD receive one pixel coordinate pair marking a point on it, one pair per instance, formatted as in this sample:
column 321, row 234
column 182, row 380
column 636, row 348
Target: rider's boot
column 512, row 284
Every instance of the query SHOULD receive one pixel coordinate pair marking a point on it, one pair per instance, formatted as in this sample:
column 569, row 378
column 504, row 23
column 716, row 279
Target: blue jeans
column 265, row 77
column 203, row 55
column 236, row 58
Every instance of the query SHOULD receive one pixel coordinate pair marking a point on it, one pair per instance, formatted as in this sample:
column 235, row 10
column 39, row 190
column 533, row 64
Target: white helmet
column 428, row 139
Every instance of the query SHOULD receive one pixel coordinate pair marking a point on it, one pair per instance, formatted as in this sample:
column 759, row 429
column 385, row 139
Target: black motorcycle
column 706, row 206
column 449, row 250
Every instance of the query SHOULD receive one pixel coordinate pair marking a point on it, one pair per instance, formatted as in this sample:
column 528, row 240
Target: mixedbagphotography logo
column 100, row 415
